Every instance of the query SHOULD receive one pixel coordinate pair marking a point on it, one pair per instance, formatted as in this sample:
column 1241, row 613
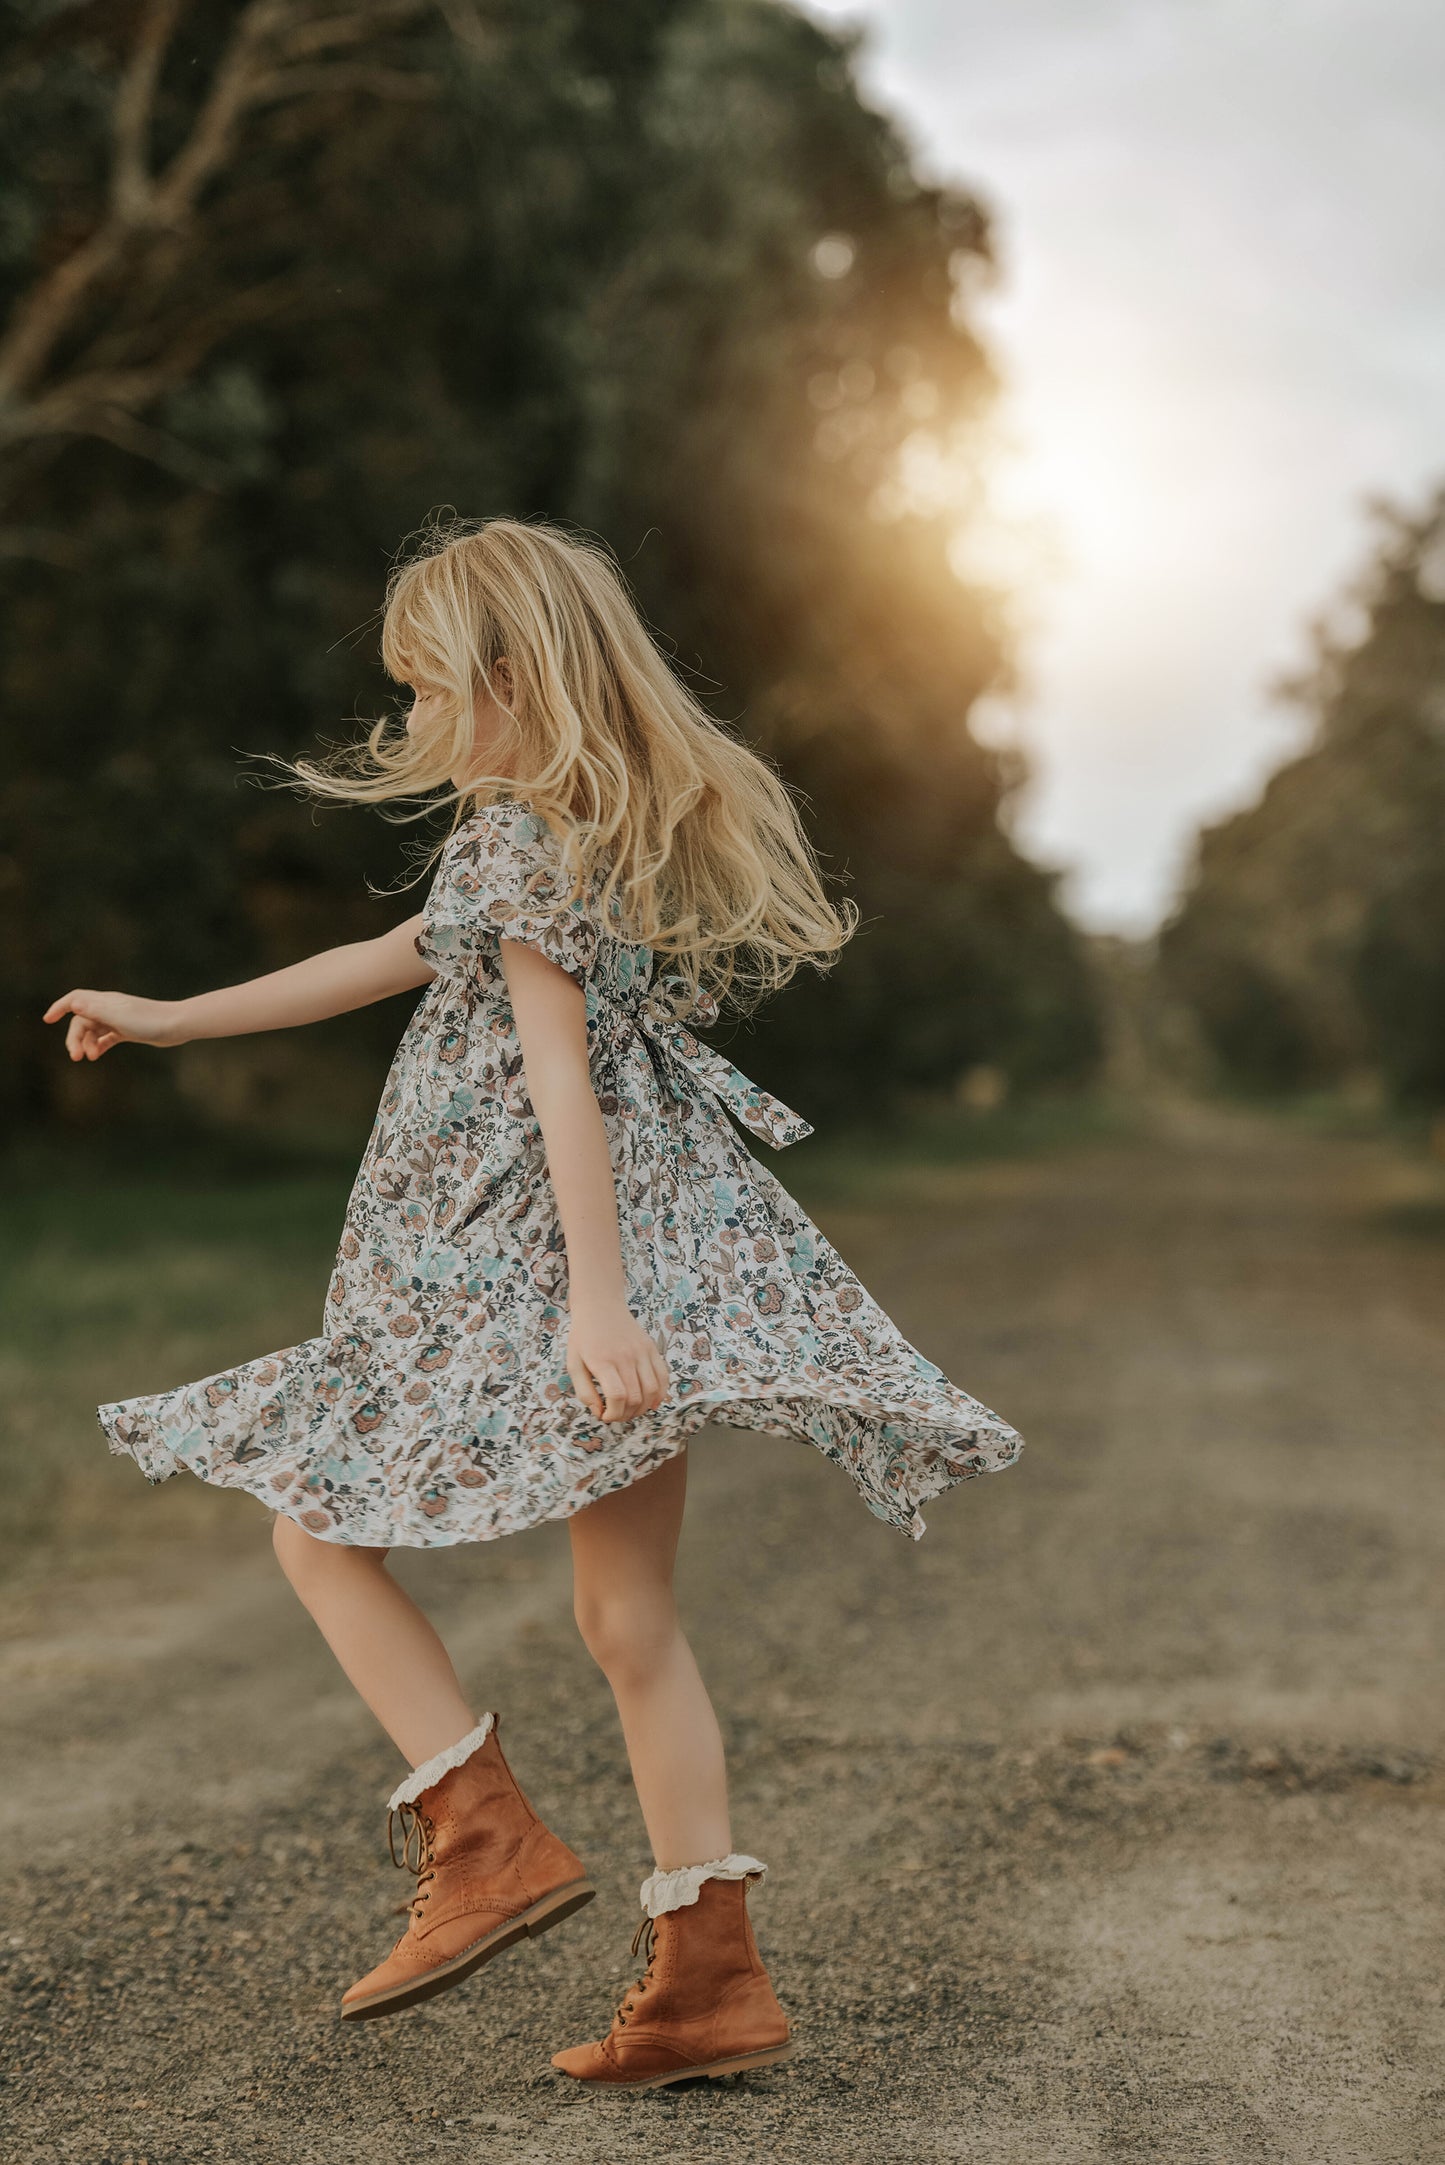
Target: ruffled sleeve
column 501, row 876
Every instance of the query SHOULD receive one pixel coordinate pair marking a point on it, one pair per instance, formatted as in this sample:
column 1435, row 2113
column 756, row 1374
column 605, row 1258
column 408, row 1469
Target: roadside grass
column 1343, row 1112
column 123, row 1276
column 925, row 1155
column 130, row 1266
column 1416, row 1217
column 1414, row 1136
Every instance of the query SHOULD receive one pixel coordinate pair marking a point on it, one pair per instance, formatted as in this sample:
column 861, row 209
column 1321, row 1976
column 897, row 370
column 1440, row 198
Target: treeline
column 281, row 280
column 1310, row 941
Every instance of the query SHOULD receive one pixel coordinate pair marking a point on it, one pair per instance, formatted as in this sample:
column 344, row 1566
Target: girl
column 558, row 1262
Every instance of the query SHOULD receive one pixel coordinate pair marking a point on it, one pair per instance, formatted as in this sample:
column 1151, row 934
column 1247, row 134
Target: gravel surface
column 1105, row 1823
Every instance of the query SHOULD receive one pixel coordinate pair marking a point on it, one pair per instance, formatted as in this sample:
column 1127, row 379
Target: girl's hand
column 616, row 1368
column 99, row 1020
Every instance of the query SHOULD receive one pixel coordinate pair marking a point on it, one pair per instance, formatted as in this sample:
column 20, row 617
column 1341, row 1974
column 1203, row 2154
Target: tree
column 134, row 279
column 656, row 270
column 1309, row 936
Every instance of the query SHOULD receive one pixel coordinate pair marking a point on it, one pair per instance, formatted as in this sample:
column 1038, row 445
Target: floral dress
column 434, row 1406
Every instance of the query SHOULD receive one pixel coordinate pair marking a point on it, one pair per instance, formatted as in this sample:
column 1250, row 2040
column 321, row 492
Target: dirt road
column 1105, row 1824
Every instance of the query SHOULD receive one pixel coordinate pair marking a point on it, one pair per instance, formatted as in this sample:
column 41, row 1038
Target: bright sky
column 1222, row 322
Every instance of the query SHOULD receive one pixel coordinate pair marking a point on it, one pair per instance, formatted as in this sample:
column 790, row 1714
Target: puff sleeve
column 500, row 877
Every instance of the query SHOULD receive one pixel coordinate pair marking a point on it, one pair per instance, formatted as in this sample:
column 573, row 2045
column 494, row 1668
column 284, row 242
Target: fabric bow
column 661, row 1013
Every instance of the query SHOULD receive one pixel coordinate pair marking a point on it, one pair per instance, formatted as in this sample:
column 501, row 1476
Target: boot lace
column 644, row 1942
column 417, row 1834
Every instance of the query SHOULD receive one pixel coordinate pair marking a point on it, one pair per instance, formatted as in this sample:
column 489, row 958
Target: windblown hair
column 694, row 843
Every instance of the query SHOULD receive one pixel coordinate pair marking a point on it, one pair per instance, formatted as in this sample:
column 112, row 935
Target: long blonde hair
column 693, row 841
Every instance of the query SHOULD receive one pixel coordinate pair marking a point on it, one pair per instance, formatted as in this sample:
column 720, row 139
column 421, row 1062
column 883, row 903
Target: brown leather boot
column 703, row 2006
column 488, row 1873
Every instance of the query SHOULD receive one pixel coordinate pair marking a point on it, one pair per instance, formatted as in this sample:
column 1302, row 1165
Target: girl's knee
column 627, row 1633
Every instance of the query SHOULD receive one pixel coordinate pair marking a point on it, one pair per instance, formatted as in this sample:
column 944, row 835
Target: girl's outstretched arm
column 327, row 984
column 617, row 1369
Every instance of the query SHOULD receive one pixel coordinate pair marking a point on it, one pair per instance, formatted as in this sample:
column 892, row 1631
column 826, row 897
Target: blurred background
column 1026, row 426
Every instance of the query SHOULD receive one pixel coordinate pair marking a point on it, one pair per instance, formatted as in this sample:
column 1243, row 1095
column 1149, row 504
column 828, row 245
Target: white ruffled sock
column 431, row 1770
column 678, row 1888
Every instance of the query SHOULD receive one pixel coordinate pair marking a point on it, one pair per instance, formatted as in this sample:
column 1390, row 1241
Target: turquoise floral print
column 434, row 1406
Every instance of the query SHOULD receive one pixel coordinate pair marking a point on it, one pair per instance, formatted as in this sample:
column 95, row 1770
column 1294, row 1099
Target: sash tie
column 658, row 1014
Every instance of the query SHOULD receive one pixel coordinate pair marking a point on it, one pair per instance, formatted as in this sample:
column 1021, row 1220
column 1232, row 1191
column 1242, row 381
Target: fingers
column 621, row 1389
column 584, row 1386
column 86, row 1038
column 644, row 1384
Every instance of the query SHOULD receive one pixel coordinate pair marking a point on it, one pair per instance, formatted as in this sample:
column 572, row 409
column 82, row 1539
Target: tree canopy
column 1310, row 940
column 653, row 269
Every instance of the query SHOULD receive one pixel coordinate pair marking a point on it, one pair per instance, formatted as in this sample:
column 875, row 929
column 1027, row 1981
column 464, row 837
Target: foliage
column 1311, row 936
column 652, row 268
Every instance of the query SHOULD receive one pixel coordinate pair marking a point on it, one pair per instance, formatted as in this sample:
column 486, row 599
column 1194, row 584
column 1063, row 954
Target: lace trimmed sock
column 431, row 1770
column 677, row 1889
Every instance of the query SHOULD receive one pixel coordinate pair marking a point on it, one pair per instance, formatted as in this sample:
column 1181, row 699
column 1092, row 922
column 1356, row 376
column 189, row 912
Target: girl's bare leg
column 383, row 1642
column 623, row 1548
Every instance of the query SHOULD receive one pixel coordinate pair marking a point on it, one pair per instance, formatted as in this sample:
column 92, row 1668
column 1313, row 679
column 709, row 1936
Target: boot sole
column 553, row 1908
column 742, row 2064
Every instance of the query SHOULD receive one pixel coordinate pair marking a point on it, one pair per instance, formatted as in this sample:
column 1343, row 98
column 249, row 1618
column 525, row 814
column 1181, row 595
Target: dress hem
column 992, row 1448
